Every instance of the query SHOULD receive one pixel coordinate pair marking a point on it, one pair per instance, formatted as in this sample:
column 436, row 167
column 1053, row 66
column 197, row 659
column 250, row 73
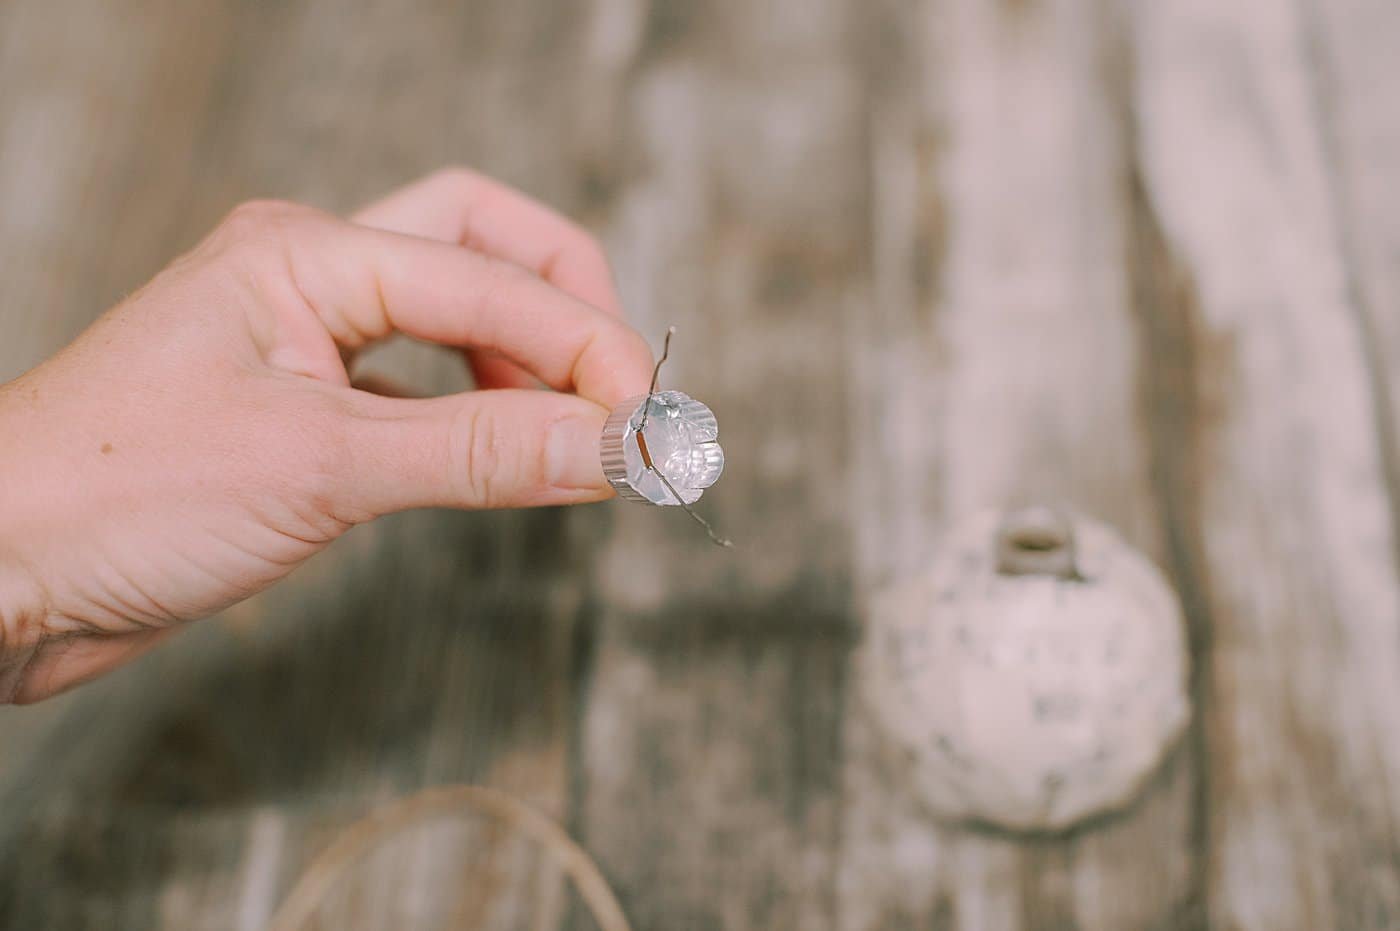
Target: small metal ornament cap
column 667, row 432
column 1036, row 540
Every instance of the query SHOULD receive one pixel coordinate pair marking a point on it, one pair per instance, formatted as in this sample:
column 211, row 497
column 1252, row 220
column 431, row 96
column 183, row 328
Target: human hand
column 203, row 438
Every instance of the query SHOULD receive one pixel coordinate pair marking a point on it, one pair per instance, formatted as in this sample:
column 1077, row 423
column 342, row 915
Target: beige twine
column 318, row 880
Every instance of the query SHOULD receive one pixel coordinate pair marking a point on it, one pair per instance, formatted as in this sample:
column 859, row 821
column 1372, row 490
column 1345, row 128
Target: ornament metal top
column 662, row 448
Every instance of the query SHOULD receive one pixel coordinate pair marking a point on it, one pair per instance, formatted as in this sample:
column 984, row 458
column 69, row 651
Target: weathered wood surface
column 925, row 257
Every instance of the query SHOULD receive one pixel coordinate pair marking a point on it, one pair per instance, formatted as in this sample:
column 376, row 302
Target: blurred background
column 925, row 257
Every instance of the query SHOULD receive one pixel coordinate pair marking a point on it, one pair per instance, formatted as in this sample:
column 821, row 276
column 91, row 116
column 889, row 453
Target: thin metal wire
column 646, row 453
column 715, row 538
column 655, row 376
column 646, row 461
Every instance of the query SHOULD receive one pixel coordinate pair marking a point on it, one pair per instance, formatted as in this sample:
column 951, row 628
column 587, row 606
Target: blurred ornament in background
column 1033, row 675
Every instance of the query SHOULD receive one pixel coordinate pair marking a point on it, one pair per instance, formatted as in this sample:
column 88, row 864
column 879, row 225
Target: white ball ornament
column 1033, row 675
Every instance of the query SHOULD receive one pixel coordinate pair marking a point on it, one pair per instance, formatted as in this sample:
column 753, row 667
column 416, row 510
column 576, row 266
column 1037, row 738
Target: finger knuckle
column 459, row 176
column 502, row 283
column 257, row 226
column 479, row 456
column 257, row 217
column 590, row 248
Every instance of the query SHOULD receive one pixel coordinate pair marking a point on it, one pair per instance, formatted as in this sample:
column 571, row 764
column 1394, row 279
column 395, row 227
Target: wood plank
column 1002, row 363
column 1303, row 677
column 461, row 871
column 711, row 744
column 1348, row 50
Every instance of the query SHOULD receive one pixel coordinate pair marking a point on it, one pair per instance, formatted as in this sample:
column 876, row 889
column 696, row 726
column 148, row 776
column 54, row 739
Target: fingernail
column 572, row 453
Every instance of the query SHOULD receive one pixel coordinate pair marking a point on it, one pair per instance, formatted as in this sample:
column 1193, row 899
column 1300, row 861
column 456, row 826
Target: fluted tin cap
column 679, row 437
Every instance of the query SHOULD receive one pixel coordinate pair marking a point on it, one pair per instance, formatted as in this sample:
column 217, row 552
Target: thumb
column 480, row 449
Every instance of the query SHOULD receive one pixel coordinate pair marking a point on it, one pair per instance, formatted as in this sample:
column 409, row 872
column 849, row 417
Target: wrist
column 23, row 617
column 24, row 609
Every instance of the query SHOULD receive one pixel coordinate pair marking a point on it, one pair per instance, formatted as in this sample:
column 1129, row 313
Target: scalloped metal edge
column 611, row 445
column 610, row 448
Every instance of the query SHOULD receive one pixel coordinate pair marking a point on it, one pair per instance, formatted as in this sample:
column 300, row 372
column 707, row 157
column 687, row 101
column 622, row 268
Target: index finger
column 365, row 283
column 460, row 206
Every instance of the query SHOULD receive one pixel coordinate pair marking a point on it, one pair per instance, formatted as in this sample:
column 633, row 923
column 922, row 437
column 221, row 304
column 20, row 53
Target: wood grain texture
column 1011, row 376
column 1293, row 503
column 926, row 256
column 711, row 735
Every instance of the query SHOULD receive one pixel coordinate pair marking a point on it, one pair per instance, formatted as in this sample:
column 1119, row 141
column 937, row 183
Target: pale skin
column 204, row 437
